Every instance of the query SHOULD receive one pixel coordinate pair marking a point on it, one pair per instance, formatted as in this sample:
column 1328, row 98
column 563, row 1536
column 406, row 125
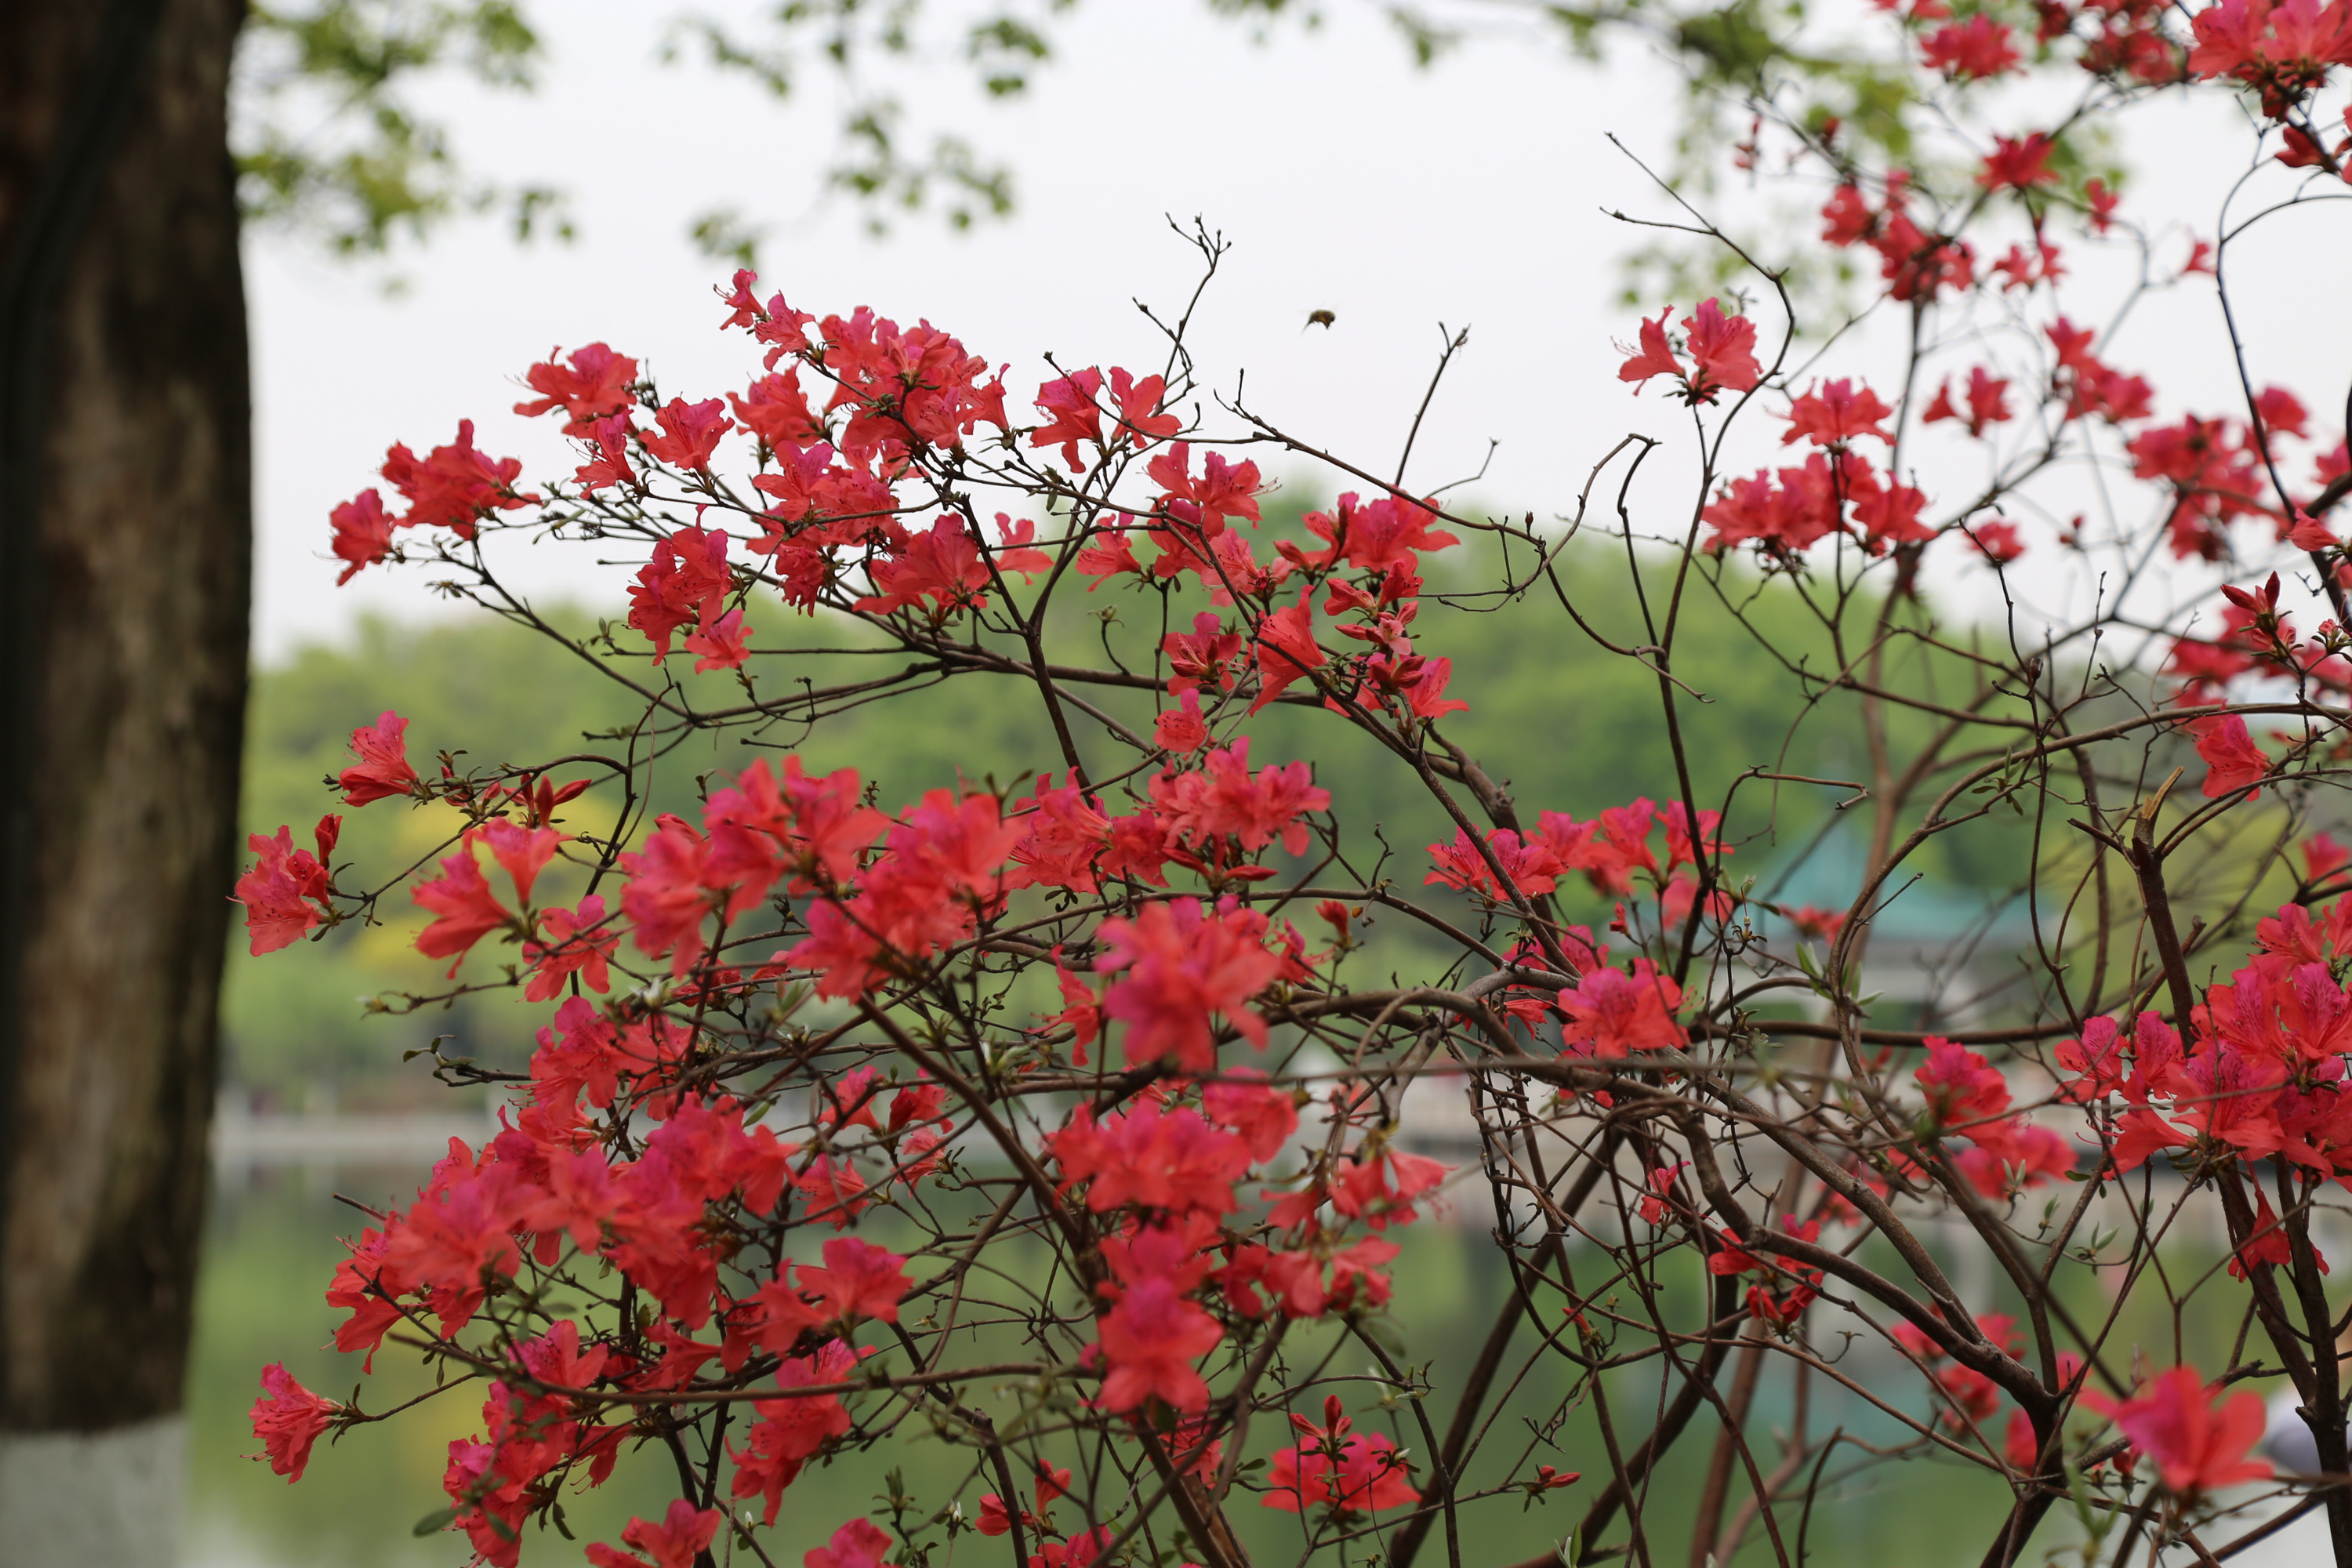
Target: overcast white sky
column 1346, row 179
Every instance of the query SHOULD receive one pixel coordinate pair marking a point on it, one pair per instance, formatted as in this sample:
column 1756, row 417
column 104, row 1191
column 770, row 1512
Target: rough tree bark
column 124, row 578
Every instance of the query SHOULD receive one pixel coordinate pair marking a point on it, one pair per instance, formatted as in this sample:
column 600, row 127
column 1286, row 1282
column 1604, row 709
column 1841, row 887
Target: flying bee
column 1319, row 319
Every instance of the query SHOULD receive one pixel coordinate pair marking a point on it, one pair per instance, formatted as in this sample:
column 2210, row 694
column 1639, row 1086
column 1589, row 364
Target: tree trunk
column 125, row 557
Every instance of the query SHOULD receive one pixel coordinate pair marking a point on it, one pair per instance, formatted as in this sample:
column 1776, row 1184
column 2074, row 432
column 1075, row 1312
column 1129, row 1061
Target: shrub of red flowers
column 814, row 1063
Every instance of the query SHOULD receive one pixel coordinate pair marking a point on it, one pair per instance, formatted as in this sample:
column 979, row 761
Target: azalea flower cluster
column 1080, row 1113
column 2261, row 1075
column 677, row 1210
column 2219, row 469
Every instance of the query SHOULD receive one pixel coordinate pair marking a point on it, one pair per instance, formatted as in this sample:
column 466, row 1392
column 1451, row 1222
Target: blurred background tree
column 328, row 145
column 125, row 560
